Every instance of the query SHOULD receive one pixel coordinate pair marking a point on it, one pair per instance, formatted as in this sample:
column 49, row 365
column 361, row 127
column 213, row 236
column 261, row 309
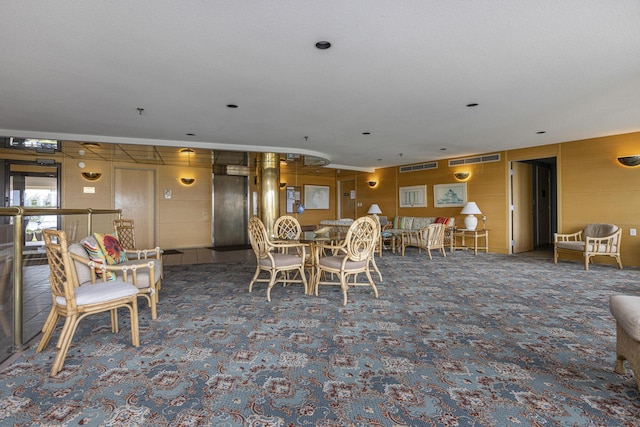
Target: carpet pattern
column 491, row 340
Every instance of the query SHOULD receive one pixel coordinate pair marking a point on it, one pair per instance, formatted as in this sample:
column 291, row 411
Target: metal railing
column 18, row 214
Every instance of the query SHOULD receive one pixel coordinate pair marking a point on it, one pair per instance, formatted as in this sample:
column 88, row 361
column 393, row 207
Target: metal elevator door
column 230, row 210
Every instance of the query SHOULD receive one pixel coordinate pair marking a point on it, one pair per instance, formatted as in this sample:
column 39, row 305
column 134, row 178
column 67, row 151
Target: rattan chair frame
column 63, row 283
column 269, row 255
column 358, row 245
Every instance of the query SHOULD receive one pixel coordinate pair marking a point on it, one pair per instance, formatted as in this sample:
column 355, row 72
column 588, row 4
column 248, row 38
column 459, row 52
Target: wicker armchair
column 273, row 258
column 75, row 302
column 352, row 256
column 594, row 240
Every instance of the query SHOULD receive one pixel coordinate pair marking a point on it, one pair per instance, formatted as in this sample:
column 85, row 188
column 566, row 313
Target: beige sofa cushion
column 599, row 230
column 626, row 310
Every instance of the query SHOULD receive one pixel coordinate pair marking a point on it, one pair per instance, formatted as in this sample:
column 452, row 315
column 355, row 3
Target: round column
column 269, row 189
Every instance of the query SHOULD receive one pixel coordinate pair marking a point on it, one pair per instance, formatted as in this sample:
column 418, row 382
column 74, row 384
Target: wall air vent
column 419, row 167
column 475, row 159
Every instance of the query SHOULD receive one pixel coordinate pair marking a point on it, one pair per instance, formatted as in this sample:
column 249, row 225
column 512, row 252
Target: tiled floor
column 37, row 296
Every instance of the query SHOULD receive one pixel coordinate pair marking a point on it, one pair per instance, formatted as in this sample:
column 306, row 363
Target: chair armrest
column 610, row 243
column 557, row 237
column 143, row 253
column 124, row 269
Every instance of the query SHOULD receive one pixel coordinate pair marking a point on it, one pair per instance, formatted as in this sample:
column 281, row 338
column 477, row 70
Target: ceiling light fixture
column 473, row 104
column 191, row 134
column 323, row 45
column 540, row 132
column 140, row 111
column 366, row 133
column 232, row 106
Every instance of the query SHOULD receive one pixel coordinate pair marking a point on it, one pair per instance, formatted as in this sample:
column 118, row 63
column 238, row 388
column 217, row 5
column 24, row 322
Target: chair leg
column 135, row 330
column 586, row 262
column 114, row 320
column 303, row 277
column 69, row 328
column 375, row 267
column 153, row 305
column 344, row 286
column 373, row 285
column 255, row 276
column 619, row 261
column 272, row 281
column 555, row 255
column 47, row 329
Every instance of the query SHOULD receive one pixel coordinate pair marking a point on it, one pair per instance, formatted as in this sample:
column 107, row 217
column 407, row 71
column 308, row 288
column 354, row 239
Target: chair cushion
column 571, row 245
column 626, row 310
column 83, row 271
column 111, row 248
column 281, row 260
column 101, row 292
column 335, row 262
column 599, row 230
column 96, row 255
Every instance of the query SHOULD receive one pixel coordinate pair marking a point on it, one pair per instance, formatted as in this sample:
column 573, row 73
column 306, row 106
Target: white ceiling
column 402, row 70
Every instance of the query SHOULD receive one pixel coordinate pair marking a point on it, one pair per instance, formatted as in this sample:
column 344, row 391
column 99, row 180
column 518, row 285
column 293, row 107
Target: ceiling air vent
column 475, row 159
column 419, row 167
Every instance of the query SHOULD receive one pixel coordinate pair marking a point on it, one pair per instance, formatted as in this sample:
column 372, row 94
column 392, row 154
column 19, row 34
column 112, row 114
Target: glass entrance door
column 34, row 186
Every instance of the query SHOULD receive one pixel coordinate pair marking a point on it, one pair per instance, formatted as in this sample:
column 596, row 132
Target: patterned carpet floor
column 491, row 340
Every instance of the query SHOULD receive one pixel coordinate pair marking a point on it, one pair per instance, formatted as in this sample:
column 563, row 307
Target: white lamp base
column 470, row 222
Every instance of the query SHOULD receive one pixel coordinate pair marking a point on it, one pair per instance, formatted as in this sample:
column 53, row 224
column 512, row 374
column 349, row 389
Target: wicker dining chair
column 271, row 257
column 351, row 257
column 74, row 302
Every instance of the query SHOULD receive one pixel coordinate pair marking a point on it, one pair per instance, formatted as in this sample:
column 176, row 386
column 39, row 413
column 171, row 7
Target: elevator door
column 230, row 210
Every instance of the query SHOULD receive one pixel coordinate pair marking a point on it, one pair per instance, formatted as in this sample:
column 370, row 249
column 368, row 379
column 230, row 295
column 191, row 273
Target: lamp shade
column 470, row 221
column 374, row 209
column 471, row 209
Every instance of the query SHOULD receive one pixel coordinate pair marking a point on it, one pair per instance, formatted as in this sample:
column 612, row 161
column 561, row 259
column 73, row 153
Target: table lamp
column 374, row 209
column 470, row 221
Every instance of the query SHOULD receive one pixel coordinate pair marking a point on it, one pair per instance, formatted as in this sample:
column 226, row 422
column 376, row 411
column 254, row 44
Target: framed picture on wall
column 316, row 197
column 450, row 195
column 414, row 196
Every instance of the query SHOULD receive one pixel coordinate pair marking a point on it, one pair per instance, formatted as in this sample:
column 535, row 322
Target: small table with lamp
column 470, row 231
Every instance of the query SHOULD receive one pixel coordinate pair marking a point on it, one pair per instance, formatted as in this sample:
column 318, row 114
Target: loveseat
column 109, row 262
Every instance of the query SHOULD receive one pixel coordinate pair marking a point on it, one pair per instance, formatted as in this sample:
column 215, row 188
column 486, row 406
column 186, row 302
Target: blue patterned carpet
column 492, row 340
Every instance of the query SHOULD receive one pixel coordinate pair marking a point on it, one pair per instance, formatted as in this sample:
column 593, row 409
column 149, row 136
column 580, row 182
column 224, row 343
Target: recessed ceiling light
column 366, row 133
column 191, row 134
column 232, row 106
column 473, row 104
column 541, row 132
column 322, row 45
column 443, row 149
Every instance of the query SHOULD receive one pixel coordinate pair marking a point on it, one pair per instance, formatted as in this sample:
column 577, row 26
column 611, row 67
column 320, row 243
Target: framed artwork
column 316, row 197
column 450, row 195
column 413, row 197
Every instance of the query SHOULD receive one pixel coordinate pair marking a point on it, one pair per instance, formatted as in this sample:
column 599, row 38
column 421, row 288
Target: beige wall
column 592, row 187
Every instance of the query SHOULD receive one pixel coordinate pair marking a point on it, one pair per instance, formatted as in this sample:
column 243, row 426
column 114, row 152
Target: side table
column 464, row 234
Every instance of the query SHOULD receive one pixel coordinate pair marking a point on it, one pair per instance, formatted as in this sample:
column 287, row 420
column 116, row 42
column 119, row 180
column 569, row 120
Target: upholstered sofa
column 144, row 273
column 418, row 222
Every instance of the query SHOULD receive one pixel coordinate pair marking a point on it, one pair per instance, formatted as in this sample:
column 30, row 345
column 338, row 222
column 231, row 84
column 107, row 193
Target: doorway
column 33, row 185
column 347, row 190
column 533, row 204
column 135, row 191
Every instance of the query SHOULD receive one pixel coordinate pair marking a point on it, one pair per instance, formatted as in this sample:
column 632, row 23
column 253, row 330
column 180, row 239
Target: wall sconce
column 283, row 184
column 91, row 176
column 630, row 160
column 461, row 175
column 372, row 183
column 187, row 181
